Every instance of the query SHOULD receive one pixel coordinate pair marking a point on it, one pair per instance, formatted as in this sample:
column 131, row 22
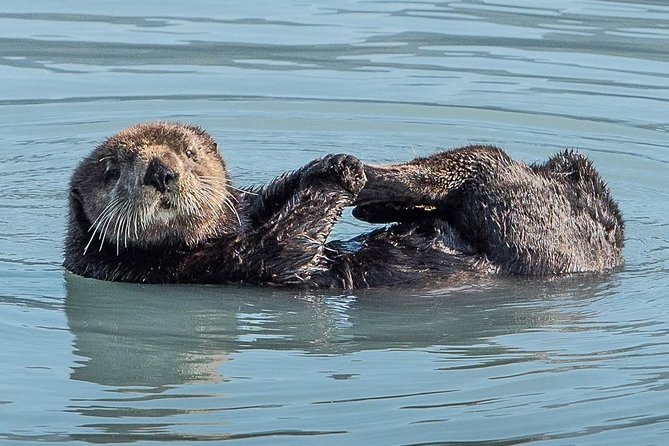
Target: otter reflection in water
column 193, row 331
column 154, row 204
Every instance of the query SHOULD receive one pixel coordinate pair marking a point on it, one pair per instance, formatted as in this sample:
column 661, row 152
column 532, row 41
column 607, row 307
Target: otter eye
column 112, row 174
column 190, row 153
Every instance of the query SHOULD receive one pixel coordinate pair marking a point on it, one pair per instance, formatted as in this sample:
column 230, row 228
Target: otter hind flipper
column 424, row 187
column 587, row 191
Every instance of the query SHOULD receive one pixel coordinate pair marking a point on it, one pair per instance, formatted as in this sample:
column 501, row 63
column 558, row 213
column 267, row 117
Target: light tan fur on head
column 123, row 209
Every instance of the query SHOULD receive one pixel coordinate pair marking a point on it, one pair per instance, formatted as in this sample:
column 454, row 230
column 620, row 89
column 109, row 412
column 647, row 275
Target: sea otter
column 153, row 204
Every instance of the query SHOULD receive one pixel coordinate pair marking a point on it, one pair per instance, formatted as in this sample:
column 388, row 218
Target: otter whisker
column 214, row 189
column 244, row 191
column 123, row 217
column 109, row 211
column 94, row 226
column 189, row 203
column 216, row 180
column 219, row 186
column 212, row 182
column 210, row 190
column 232, row 208
column 219, row 196
column 144, row 221
column 138, row 217
column 100, row 226
column 103, row 219
column 203, row 199
column 128, row 224
column 135, row 216
column 89, row 243
column 107, row 225
column 104, row 211
column 117, row 227
column 126, row 227
column 207, row 192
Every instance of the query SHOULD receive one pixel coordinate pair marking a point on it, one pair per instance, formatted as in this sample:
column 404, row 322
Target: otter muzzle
column 158, row 175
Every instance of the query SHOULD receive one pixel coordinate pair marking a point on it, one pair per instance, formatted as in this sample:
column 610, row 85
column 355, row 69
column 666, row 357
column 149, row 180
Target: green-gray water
column 569, row 361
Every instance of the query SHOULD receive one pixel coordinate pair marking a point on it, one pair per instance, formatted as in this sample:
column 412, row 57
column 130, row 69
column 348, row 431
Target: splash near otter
column 154, row 204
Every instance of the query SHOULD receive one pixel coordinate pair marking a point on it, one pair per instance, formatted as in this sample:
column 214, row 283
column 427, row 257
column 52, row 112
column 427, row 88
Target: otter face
column 152, row 184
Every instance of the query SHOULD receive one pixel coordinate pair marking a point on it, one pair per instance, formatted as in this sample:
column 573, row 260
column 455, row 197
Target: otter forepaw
column 347, row 170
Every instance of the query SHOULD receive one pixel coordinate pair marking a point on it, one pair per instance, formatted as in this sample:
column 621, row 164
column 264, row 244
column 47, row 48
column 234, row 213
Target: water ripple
column 88, row 361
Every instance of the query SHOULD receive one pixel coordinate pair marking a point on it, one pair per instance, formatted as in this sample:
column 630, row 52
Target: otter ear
column 77, row 208
column 75, row 195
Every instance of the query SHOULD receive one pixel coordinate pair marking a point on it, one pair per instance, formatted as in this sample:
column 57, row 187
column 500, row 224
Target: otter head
column 149, row 185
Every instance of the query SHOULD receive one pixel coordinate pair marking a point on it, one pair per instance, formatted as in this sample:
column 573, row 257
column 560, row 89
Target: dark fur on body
column 549, row 219
column 275, row 234
column 460, row 215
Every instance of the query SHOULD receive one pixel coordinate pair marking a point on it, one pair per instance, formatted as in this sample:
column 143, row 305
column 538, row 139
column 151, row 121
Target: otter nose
column 158, row 175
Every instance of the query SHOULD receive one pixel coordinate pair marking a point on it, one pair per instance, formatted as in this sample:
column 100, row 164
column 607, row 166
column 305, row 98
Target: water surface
column 581, row 360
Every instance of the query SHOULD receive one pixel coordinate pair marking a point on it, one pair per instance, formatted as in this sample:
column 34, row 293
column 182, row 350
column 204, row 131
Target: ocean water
column 576, row 360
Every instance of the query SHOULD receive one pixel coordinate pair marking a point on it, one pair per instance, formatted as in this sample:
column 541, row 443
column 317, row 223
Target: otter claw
column 348, row 171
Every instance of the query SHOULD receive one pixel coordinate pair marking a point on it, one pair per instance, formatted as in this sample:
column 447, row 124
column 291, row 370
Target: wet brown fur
column 547, row 219
column 188, row 224
column 459, row 217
